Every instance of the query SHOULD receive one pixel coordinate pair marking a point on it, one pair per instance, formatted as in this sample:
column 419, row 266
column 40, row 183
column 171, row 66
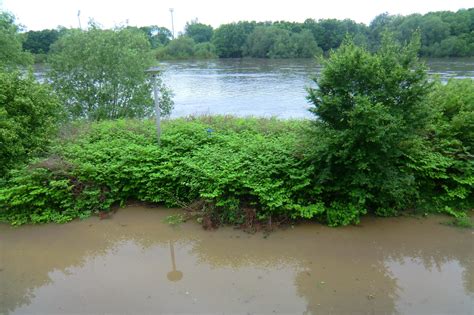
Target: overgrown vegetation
column 228, row 170
column 29, row 114
column 386, row 140
column 371, row 111
column 233, row 164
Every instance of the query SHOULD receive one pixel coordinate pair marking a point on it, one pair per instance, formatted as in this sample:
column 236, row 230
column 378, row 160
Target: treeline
column 443, row 34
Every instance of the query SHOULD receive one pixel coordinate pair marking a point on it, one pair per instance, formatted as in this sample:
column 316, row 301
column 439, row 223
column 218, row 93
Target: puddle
column 134, row 263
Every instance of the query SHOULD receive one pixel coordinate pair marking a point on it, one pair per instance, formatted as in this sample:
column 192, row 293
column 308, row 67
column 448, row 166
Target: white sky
column 41, row 14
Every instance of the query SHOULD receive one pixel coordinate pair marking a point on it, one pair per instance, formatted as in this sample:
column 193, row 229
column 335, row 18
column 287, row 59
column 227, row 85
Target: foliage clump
column 370, row 109
column 29, row 114
column 233, row 164
column 444, row 160
column 12, row 55
column 100, row 74
column 386, row 140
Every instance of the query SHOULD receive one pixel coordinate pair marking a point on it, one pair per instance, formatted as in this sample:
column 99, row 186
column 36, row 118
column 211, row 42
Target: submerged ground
column 135, row 263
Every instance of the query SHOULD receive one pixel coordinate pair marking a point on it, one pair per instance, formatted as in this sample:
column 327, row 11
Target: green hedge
column 228, row 162
column 242, row 168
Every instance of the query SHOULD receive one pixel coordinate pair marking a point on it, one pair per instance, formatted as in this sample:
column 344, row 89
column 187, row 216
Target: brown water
column 133, row 263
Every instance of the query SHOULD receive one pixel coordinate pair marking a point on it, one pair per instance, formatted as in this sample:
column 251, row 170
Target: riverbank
column 248, row 172
column 125, row 264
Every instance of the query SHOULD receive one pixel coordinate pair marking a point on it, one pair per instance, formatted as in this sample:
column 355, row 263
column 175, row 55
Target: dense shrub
column 275, row 42
column 28, row 117
column 386, row 140
column 185, row 47
column 444, row 160
column 370, row 109
column 241, row 170
column 233, row 164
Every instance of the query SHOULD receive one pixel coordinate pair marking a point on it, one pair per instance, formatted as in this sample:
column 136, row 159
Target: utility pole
column 79, row 18
column 172, row 22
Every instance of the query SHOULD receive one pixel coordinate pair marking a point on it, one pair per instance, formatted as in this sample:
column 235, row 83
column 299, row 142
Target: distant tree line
column 443, row 34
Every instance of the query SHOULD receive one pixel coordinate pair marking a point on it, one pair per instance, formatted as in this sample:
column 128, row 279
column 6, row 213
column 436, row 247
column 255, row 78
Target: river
column 133, row 263
column 262, row 87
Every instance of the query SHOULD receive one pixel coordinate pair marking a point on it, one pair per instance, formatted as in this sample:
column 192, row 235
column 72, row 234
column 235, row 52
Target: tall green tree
column 100, row 74
column 229, row 39
column 304, row 45
column 277, row 42
column 263, row 42
column 443, row 33
column 199, row 32
column 329, row 33
column 181, row 48
column 156, row 35
column 38, row 42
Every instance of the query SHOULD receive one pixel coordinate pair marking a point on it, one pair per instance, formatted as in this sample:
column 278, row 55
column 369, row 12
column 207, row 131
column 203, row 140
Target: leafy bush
column 178, row 48
column 443, row 161
column 233, row 164
column 236, row 170
column 386, row 139
column 370, row 109
column 29, row 114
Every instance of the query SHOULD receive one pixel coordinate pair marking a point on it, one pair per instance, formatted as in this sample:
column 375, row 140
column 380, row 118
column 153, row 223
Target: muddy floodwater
column 133, row 263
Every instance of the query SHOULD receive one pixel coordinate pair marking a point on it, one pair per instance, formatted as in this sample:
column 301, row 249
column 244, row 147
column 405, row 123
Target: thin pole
column 157, row 108
column 172, row 22
column 79, row 18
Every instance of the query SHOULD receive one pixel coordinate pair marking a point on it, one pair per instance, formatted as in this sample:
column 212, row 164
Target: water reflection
column 119, row 266
column 174, row 275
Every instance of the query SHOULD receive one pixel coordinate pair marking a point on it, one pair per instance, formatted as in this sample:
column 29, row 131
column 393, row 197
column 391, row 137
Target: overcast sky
column 41, row 14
